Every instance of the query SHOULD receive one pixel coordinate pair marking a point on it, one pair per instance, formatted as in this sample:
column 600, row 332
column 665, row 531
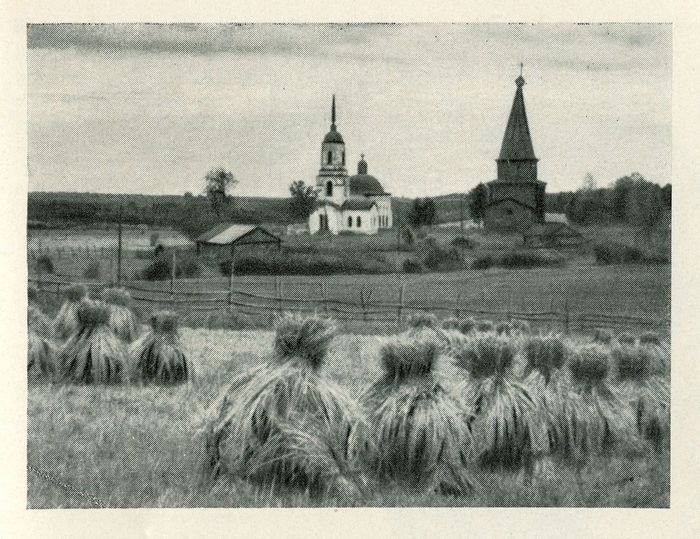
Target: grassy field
column 141, row 447
column 632, row 289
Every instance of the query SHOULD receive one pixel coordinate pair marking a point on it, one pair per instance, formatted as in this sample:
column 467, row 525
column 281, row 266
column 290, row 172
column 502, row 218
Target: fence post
column 119, row 249
column 362, row 302
column 230, row 288
column 324, row 297
column 566, row 316
column 278, row 289
column 399, row 310
column 172, row 281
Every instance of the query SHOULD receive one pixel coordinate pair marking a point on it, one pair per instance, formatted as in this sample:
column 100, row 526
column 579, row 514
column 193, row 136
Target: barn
column 222, row 241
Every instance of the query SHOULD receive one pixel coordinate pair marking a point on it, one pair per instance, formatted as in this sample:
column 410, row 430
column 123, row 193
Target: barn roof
column 228, row 234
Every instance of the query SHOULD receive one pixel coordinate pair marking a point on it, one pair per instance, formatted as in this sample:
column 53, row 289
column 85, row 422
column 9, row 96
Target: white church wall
column 368, row 221
column 333, row 215
column 338, row 191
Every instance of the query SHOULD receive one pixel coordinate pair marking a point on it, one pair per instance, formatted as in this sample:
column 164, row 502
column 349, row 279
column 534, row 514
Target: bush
column 162, row 267
column 519, row 259
column 411, row 265
column 483, row 262
column 45, row 264
column 435, row 257
column 285, row 263
column 92, row 270
column 610, row 252
column 462, row 242
column 616, row 253
column 188, row 268
column 529, row 259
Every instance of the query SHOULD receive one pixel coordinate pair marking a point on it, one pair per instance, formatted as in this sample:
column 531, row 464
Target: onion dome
column 363, row 184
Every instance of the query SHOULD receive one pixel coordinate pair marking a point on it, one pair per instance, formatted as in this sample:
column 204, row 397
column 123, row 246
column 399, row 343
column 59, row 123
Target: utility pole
column 119, row 247
column 461, row 213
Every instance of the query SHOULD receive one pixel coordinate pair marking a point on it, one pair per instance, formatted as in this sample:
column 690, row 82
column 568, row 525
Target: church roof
column 326, row 202
column 509, row 199
column 517, row 143
column 358, row 204
column 334, row 136
column 365, row 185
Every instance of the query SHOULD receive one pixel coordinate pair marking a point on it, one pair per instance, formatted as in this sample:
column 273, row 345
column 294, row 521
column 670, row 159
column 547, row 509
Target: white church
column 347, row 203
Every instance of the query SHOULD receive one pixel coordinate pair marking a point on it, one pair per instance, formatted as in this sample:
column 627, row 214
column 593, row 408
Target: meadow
column 142, row 446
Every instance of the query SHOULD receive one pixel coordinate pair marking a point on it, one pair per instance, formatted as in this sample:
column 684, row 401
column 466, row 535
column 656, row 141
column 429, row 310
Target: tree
column 303, row 199
column 666, row 196
column 415, row 213
column 422, row 212
column 589, row 183
column 217, row 181
column 477, row 202
column 429, row 212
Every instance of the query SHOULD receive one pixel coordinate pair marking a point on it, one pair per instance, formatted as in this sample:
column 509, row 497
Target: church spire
column 333, row 113
column 517, row 143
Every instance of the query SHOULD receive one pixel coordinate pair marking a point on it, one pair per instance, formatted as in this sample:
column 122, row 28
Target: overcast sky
column 150, row 108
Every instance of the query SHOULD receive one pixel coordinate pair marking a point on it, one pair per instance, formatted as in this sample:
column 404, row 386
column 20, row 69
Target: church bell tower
column 331, row 182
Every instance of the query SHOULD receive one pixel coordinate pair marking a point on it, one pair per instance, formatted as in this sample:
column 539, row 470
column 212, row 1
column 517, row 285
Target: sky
column 150, row 108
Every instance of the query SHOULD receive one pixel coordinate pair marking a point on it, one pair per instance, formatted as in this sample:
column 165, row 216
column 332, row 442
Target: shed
column 223, row 239
column 554, row 234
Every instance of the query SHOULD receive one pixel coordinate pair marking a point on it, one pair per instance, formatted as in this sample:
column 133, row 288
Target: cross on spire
column 520, row 81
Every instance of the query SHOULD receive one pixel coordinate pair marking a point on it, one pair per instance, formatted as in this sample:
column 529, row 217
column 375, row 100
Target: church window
column 330, row 157
column 359, row 222
column 350, row 222
column 329, row 189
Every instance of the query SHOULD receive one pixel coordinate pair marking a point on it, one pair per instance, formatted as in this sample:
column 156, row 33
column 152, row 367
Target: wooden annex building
column 222, row 241
column 552, row 234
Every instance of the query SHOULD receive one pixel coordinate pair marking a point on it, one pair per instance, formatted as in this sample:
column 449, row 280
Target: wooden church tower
column 516, row 197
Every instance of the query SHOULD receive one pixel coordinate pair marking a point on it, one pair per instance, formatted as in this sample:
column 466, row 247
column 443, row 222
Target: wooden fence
column 236, row 299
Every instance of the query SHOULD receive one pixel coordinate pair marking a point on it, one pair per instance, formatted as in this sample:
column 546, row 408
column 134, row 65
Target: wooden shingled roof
column 517, row 142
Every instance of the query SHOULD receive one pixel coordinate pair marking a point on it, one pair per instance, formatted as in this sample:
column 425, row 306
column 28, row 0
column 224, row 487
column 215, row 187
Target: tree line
column 631, row 200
